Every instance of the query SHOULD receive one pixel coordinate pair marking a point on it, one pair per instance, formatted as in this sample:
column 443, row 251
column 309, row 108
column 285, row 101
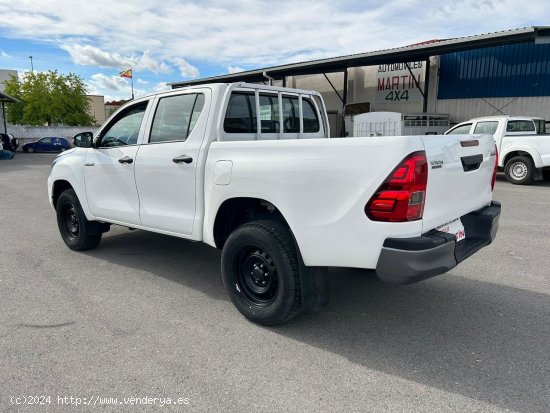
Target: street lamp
column 32, row 68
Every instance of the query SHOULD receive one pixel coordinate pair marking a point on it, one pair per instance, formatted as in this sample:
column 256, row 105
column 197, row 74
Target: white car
column 250, row 169
column 522, row 143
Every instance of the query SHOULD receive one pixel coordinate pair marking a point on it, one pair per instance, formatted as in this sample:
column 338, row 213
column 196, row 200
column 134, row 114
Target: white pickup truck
column 522, row 143
column 250, row 169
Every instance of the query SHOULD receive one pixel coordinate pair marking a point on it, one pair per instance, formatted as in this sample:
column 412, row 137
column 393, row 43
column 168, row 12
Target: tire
column 253, row 250
column 76, row 231
column 31, row 150
column 519, row 170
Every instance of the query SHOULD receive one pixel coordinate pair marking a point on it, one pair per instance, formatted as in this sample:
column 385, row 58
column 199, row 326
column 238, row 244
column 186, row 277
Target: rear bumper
column 408, row 260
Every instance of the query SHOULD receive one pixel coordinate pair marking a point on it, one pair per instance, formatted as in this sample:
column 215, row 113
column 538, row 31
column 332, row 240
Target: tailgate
column 460, row 168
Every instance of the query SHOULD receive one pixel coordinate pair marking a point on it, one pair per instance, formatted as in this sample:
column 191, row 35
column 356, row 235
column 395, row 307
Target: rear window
column 269, row 113
column 486, row 127
column 520, row 126
column 311, row 121
column 541, row 126
column 241, row 114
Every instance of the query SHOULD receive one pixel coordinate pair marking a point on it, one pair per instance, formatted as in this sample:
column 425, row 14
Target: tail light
column 402, row 195
column 494, row 178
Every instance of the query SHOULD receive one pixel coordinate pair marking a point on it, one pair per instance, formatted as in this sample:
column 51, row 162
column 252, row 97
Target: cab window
column 176, row 117
column 125, row 128
column 486, row 127
column 461, row 130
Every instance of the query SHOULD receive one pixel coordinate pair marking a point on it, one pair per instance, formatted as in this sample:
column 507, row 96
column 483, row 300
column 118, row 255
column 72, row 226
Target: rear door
column 460, row 169
column 166, row 164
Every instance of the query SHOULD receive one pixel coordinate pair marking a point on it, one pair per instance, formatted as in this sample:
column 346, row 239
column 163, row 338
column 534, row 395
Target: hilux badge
column 436, row 164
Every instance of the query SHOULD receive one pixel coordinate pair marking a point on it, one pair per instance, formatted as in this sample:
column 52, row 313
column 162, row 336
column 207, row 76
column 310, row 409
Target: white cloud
column 141, row 81
column 234, row 69
column 157, row 35
column 187, row 70
column 114, row 83
column 88, row 55
column 160, row 87
column 4, row 55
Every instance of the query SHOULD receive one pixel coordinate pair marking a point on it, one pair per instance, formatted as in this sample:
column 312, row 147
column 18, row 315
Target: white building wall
column 5, row 75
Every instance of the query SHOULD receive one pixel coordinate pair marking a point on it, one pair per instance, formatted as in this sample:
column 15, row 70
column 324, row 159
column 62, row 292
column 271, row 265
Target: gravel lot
column 146, row 315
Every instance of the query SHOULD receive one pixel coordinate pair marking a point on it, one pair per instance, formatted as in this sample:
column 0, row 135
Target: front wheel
column 260, row 270
column 76, row 231
column 519, row 170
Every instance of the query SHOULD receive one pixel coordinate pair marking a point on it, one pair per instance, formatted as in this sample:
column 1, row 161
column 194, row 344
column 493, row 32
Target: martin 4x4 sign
column 395, row 83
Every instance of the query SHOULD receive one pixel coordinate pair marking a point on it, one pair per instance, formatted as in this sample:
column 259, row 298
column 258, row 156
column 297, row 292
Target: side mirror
column 83, row 139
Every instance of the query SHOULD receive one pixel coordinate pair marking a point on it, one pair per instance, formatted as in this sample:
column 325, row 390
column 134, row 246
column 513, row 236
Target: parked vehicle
column 397, row 124
column 249, row 169
column 9, row 142
column 47, row 144
column 522, row 143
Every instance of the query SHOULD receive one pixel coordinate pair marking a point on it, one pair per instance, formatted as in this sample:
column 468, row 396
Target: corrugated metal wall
column 463, row 109
column 521, row 69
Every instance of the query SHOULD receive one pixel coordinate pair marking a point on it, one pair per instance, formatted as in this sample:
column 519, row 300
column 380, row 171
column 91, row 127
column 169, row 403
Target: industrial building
column 498, row 73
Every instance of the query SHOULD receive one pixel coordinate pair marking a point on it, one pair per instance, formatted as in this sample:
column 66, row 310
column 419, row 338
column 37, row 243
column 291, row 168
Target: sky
column 170, row 40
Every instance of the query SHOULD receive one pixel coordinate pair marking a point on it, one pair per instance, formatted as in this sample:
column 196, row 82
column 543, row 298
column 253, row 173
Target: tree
column 49, row 98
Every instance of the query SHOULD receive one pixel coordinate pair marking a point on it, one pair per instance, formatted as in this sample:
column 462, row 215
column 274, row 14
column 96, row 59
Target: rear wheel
column 260, row 270
column 77, row 232
column 519, row 170
column 31, row 149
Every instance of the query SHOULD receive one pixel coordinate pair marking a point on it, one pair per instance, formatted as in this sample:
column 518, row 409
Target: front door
column 109, row 168
column 166, row 163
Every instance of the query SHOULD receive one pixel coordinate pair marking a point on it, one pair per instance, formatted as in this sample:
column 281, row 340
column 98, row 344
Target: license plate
column 454, row 227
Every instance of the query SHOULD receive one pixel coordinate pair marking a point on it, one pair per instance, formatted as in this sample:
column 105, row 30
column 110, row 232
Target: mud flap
column 314, row 287
column 313, row 284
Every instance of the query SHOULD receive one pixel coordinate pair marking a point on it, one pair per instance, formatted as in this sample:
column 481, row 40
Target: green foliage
column 49, row 98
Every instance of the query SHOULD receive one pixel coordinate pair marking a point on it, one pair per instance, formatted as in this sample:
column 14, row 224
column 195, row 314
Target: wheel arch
column 58, row 187
column 234, row 212
column 535, row 158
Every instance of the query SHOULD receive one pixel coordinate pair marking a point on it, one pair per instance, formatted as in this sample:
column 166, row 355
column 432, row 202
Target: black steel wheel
column 261, row 272
column 76, row 231
column 257, row 276
column 70, row 220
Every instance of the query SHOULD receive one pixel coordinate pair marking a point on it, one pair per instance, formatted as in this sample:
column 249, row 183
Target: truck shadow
column 543, row 183
column 485, row 341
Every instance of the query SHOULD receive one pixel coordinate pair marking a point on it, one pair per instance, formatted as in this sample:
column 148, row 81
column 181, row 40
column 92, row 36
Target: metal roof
column 415, row 52
column 7, row 98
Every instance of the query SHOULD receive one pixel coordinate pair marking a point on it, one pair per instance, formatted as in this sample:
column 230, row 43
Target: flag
column 126, row 73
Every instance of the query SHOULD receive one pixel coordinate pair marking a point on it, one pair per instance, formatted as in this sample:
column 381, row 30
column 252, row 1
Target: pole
column 426, row 85
column 4, row 117
column 32, row 67
column 344, row 102
column 132, row 78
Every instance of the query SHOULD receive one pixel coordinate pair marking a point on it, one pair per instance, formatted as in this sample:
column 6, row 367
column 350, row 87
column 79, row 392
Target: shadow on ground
column 453, row 333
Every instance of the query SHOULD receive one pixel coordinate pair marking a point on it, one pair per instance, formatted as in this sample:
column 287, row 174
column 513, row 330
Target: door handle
column 182, row 158
column 126, row 159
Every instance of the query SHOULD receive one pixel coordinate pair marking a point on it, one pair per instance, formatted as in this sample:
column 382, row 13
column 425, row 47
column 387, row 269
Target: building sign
column 396, row 84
